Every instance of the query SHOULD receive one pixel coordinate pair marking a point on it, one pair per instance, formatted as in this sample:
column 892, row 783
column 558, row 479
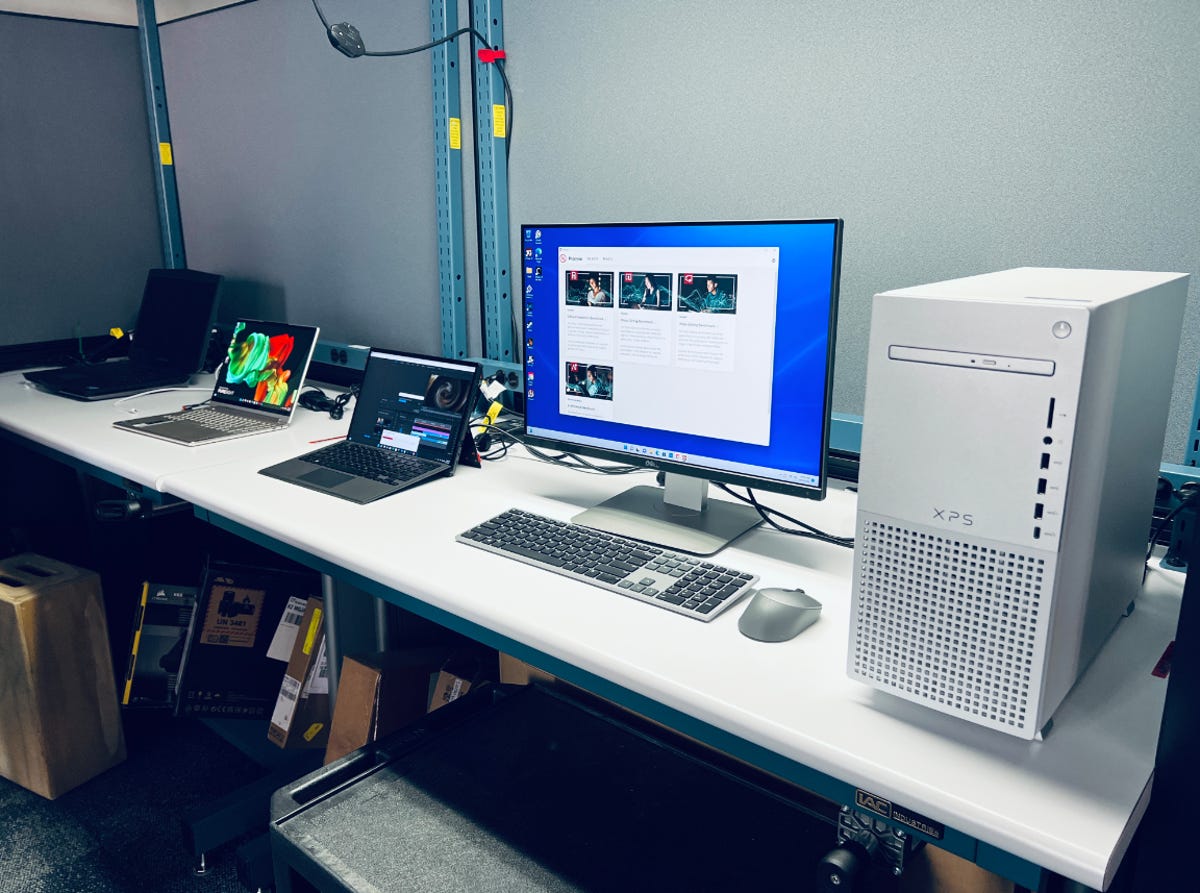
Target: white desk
column 1068, row 804
column 82, row 433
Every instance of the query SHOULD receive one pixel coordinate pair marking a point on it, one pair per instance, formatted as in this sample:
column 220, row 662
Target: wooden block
column 60, row 723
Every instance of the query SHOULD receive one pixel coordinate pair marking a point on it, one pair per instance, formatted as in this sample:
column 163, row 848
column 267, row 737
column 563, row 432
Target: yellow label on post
column 313, row 626
column 499, row 121
column 164, row 154
column 456, row 133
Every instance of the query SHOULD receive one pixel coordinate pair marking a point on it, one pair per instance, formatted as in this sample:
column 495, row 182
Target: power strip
column 508, row 375
column 337, row 363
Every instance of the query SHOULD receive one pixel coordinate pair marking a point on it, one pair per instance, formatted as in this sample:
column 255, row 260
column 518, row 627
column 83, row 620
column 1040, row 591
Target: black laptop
column 409, row 422
column 168, row 344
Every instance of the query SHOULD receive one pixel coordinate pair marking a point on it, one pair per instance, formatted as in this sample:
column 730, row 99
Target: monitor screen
column 704, row 349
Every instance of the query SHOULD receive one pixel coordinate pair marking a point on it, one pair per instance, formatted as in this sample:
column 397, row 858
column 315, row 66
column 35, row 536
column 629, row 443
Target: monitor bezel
column 716, row 475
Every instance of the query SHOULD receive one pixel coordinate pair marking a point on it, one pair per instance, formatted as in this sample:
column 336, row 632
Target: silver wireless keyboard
column 676, row 581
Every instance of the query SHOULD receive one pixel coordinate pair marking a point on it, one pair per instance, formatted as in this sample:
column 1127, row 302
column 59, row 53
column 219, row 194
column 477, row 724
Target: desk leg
column 333, row 651
column 383, row 638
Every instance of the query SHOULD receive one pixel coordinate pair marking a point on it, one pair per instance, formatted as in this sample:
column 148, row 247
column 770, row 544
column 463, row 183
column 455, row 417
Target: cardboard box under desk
column 60, row 724
column 301, row 715
column 379, row 693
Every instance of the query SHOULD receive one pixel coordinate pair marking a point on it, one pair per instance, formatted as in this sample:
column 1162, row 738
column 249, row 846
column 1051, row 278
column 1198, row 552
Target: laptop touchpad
column 326, row 477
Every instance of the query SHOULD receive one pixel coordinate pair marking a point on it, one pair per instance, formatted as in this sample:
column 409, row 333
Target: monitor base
column 642, row 513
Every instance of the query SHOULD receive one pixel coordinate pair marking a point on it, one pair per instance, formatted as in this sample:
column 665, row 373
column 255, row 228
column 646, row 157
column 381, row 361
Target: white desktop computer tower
column 1012, row 433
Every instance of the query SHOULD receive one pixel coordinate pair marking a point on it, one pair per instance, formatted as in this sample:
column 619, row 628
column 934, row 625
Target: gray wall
column 954, row 138
column 305, row 177
column 78, row 219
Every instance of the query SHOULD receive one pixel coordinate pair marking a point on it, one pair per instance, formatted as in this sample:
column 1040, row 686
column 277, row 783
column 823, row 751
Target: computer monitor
column 701, row 349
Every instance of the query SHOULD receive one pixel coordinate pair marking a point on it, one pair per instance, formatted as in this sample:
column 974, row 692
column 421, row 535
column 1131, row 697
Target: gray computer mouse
column 776, row 615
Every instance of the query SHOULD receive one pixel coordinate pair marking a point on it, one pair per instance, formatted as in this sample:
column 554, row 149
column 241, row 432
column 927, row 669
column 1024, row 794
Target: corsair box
column 58, row 697
column 229, row 668
column 301, row 716
column 160, row 627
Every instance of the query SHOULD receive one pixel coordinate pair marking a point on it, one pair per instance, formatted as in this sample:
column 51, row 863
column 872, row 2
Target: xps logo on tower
column 952, row 517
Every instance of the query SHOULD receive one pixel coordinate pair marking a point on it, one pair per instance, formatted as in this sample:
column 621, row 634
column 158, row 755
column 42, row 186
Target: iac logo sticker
column 874, row 803
column 952, row 517
column 898, row 814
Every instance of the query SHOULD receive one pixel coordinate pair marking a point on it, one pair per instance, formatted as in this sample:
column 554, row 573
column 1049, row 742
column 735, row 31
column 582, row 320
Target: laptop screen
column 174, row 319
column 265, row 365
column 414, row 404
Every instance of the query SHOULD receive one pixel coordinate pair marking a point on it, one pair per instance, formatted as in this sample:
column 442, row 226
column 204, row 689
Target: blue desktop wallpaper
column 809, row 254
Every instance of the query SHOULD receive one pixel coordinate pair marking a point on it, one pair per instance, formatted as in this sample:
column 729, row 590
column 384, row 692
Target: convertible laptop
column 170, row 340
column 408, row 425
column 256, row 389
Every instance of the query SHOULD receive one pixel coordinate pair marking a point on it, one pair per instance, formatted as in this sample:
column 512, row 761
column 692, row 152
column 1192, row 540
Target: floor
column 121, row 831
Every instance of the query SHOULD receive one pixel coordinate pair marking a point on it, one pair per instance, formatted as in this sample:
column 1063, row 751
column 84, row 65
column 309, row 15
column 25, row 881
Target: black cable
column 469, row 29
column 564, row 460
column 1185, row 499
column 807, row 530
column 318, row 401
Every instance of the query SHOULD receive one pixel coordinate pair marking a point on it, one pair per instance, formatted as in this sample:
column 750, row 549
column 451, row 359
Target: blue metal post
column 447, row 134
column 160, row 138
column 491, row 140
column 1192, row 453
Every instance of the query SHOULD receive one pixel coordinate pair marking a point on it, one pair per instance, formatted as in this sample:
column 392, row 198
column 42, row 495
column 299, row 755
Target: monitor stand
column 679, row 516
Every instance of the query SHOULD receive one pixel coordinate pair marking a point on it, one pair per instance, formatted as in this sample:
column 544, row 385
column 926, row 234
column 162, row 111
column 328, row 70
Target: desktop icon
column 530, row 395
column 529, row 252
column 537, row 252
column 528, row 233
column 529, row 271
column 537, row 233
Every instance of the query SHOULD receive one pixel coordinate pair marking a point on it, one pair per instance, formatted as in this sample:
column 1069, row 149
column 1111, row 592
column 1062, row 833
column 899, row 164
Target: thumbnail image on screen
column 588, row 288
column 590, row 380
column 645, row 291
column 711, row 293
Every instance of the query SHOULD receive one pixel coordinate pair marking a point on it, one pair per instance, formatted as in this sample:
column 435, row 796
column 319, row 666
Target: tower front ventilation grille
column 948, row 622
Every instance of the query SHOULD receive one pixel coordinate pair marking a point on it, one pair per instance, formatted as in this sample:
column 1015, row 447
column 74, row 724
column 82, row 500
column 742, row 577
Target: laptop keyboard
column 224, row 422
column 386, row 466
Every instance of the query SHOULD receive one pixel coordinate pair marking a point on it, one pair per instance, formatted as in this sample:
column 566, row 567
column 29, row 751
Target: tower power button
column 1061, row 329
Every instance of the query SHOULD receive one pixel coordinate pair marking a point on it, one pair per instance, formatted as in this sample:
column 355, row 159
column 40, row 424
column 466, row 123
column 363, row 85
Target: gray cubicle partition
column 953, row 138
column 307, row 177
column 78, row 220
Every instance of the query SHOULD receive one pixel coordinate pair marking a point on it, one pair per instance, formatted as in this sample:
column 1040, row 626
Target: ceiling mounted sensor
column 346, row 39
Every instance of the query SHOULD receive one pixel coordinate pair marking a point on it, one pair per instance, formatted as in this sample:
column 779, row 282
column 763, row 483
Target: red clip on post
column 491, row 55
